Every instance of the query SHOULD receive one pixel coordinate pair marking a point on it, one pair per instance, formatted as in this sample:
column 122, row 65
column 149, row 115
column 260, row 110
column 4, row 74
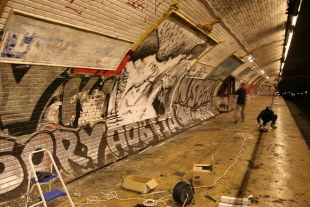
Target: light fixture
column 294, row 20
column 288, row 43
column 250, row 58
column 262, row 71
column 292, row 12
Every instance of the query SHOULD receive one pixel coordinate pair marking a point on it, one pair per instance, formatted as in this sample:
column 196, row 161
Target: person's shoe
column 273, row 126
column 236, row 121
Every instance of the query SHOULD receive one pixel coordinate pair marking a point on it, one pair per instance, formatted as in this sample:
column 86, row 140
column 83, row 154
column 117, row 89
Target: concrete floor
column 272, row 166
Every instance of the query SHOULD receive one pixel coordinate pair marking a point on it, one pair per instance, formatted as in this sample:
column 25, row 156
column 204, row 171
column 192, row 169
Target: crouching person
column 266, row 116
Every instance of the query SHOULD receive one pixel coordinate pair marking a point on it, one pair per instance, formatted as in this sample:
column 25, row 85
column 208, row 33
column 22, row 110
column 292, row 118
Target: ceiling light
column 290, row 36
column 294, row 20
column 299, row 5
column 250, row 58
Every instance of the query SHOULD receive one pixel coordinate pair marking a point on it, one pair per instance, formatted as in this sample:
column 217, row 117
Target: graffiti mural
column 225, row 68
column 66, row 113
column 149, row 79
column 90, row 118
column 223, row 103
column 11, row 47
column 193, row 97
column 34, row 40
column 200, row 70
column 266, row 89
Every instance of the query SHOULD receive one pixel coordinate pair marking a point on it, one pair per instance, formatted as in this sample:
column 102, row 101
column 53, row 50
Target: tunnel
column 98, row 81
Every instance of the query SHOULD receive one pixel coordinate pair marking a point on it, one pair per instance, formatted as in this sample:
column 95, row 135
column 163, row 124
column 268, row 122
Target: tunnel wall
column 65, row 112
column 89, row 118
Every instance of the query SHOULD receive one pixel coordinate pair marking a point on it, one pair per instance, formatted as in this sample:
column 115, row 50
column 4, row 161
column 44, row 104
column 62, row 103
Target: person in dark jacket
column 241, row 99
column 266, row 116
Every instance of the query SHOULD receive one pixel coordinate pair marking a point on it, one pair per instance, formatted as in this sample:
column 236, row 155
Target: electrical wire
column 110, row 195
column 183, row 192
column 236, row 160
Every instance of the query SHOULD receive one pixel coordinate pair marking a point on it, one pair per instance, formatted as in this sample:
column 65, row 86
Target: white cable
column 150, row 202
column 109, row 195
column 236, row 160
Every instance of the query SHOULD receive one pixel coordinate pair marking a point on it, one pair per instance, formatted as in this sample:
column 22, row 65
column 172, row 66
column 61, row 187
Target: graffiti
column 83, row 144
column 192, row 100
column 140, row 6
column 35, row 40
column 137, row 4
column 157, row 4
column 266, row 89
column 79, row 9
column 225, row 68
column 89, row 118
column 78, row 145
column 199, row 70
column 223, row 103
column 77, row 151
column 159, row 63
column 90, row 145
column 83, row 101
column 16, row 45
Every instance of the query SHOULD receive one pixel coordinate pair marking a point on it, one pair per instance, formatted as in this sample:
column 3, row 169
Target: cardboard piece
column 139, row 183
column 203, row 174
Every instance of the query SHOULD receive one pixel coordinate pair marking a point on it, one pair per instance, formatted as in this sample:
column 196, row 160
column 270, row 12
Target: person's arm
column 237, row 92
column 259, row 117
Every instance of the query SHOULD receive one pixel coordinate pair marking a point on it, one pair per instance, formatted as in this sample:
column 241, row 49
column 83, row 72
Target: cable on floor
column 236, row 160
column 183, row 192
column 110, row 195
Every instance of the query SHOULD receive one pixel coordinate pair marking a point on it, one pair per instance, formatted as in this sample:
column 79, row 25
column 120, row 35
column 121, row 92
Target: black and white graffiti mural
column 192, row 101
column 149, row 79
column 65, row 114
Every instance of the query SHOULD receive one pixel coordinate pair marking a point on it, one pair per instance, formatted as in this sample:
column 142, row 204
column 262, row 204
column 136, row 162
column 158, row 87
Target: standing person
column 241, row 93
column 267, row 115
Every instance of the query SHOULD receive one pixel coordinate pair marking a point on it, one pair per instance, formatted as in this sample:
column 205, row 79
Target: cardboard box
column 203, row 174
column 139, row 183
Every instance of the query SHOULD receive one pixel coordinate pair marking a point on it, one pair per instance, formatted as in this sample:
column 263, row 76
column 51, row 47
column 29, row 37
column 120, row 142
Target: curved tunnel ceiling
column 257, row 28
